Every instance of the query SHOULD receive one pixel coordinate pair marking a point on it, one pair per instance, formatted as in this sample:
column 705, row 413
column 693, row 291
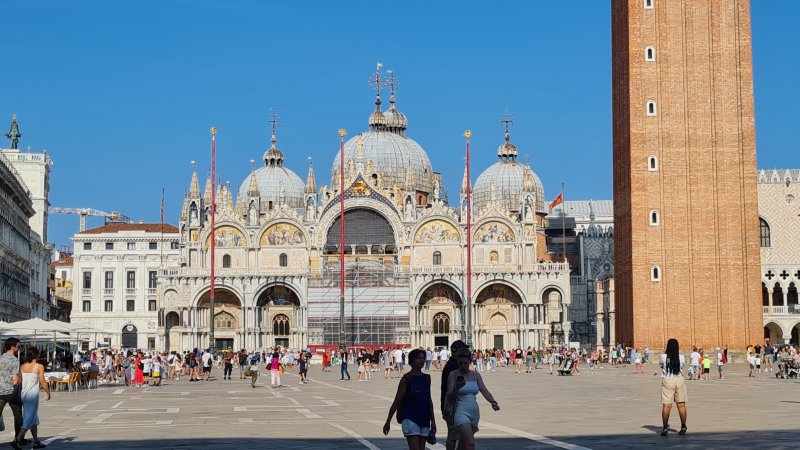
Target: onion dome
column 396, row 121
column 506, row 180
column 274, row 181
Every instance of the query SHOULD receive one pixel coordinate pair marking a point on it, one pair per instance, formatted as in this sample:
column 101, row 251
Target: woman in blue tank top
column 413, row 404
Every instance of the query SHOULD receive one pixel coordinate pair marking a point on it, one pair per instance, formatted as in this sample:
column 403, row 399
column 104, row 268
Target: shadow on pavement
column 762, row 439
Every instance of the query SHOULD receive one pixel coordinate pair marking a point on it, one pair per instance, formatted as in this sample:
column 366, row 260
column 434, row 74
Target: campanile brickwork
column 690, row 158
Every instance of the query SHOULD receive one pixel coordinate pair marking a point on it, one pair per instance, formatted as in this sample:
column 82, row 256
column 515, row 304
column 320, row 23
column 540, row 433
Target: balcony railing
column 86, row 292
column 152, row 291
column 130, row 292
column 780, row 310
column 108, row 292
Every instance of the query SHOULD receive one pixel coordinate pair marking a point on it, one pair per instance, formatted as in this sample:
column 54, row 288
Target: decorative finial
column 377, row 82
column 253, row 164
column 507, row 122
column 342, row 133
column 194, row 164
column 468, row 134
column 274, row 121
column 213, row 132
column 393, row 85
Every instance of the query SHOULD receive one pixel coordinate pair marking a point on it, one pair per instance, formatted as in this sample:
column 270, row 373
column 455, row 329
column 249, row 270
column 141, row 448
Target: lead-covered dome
column 506, row 180
column 390, row 150
column 274, row 180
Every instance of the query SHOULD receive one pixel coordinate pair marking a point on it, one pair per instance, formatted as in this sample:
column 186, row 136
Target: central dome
column 274, row 180
column 390, row 150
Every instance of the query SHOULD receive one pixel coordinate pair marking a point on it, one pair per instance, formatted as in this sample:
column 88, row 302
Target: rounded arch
column 130, row 336
column 364, row 228
column 223, row 295
column 497, row 291
column 774, row 332
column 277, row 294
column 439, row 292
column 283, row 232
column 331, row 216
column 547, row 294
column 172, row 319
column 418, row 300
column 498, row 320
column 437, row 230
column 229, row 235
column 486, row 230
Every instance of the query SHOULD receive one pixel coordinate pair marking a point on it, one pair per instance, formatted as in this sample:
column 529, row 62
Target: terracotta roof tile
column 146, row 227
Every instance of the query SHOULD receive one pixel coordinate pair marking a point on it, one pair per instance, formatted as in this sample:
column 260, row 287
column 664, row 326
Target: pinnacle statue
column 13, row 134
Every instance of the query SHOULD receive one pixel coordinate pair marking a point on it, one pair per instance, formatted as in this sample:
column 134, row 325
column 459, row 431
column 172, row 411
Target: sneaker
column 665, row 431
column 683, row 430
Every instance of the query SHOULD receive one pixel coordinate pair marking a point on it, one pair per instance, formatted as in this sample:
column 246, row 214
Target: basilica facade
column 277, row 245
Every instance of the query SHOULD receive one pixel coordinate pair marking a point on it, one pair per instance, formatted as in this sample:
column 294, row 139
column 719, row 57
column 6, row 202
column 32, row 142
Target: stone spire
column 528, row 185
column 311, row 183
column 13, row 134
column 252, row 190
column 194, row 186
column 207, row 192
column 464, row 180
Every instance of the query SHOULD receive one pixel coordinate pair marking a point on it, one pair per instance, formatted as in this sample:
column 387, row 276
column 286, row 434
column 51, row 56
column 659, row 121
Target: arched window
column 651, row 108
column 655, row 273
column 437, row 258
column 650, row 53
column 652, row 163
column 226, row 261
column 441, row 323
column 283, row 260
column 766, row 237
column 280, row 325
column 654, row 218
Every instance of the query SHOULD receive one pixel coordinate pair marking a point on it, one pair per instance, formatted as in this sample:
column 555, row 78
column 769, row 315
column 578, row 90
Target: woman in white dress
column 32, row 381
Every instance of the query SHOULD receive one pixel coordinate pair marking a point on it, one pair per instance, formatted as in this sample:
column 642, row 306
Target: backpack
column 126, row 363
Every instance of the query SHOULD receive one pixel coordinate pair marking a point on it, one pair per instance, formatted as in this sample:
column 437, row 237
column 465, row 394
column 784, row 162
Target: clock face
column 129, row 328
column 606, row 267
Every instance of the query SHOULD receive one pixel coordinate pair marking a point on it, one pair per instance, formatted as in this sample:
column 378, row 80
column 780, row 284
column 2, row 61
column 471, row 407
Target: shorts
column 720, row 367
column 147, row 374
column 207, row 369
column 410, row 428
column 706, row 369
column 673, row 390
column 242, row 367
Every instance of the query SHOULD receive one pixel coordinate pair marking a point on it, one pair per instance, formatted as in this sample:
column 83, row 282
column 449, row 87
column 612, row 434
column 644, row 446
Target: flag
column 162, row 205
column 557, row 201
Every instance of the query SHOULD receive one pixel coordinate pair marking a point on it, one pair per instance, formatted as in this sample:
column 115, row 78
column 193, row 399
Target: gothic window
column 652, row 163
column 654, row 218
column 649, row 53
column 226, row 261
column 766, row 237
column 283, row 260
column 441, row 323
column 437, row 258
column 655, row 273
column 280, row 325
column 651, row 108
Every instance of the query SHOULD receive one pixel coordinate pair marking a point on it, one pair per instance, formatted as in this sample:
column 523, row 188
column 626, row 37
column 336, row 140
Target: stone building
column 114, row 278
column 33, row 169
column 277, row 253
column 17, row 268
column 685, row 197
column 778, row 195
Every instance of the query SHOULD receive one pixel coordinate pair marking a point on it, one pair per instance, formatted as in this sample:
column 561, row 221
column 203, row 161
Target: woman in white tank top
column 32, row 380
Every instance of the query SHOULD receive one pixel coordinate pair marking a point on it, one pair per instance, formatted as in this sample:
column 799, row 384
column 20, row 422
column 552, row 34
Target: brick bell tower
column 685, row 199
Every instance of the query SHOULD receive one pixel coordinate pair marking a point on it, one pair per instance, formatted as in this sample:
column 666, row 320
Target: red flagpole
column 213, row 232
column 468, row 135
column 342, row 343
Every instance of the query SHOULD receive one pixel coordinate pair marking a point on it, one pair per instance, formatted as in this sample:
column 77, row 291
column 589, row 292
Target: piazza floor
column 609, row 408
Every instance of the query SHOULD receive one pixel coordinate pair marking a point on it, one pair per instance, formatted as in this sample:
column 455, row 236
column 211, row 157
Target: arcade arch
column 439, row 314
column 499, row 309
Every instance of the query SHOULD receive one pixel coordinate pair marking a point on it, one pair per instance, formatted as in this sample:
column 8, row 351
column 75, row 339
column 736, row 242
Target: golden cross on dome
column 507, row 121
column 376, row 81
column 274, row 120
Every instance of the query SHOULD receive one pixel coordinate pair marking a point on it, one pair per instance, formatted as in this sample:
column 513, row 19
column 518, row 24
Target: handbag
column 16, row 395
column 248, row 372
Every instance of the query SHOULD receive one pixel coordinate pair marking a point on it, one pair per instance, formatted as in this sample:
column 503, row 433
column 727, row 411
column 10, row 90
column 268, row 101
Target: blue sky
column 122, row 94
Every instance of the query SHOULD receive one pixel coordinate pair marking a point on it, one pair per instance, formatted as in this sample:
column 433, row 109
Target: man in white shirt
column 172, row 364
column 208, row 360
column 398, row 360
column 147, row 367
column 694, row 366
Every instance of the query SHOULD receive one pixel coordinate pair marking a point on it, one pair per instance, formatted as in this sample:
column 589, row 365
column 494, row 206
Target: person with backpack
column 673, row 386
column 126, row 368
column 253, row 368
column 242, row 363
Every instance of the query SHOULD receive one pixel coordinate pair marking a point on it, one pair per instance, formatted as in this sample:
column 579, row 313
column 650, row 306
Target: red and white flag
column 557, row 201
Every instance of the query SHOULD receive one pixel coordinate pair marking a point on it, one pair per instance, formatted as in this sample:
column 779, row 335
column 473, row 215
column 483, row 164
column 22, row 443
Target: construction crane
column 110, row 217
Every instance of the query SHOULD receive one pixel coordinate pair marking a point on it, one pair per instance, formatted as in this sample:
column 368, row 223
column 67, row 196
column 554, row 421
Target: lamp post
column 342, row 343
column 468, row 135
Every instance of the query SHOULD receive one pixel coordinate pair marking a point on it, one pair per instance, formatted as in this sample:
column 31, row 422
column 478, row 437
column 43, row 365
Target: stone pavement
column 610, row 408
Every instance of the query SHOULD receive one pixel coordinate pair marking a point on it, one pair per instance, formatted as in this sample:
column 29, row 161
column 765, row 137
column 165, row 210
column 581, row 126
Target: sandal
column 15, row 444
column 683, row 430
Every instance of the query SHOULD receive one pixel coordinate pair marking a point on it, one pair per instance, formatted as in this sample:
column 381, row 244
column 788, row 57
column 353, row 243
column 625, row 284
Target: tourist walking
column 343, row 366
column 413, row 404
column 9, row 376
column 673, row 386
column 138, row 373
column 450, row 366
column 463, row 385
column 255, row 365
column 275, row 370
column 32, row 374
